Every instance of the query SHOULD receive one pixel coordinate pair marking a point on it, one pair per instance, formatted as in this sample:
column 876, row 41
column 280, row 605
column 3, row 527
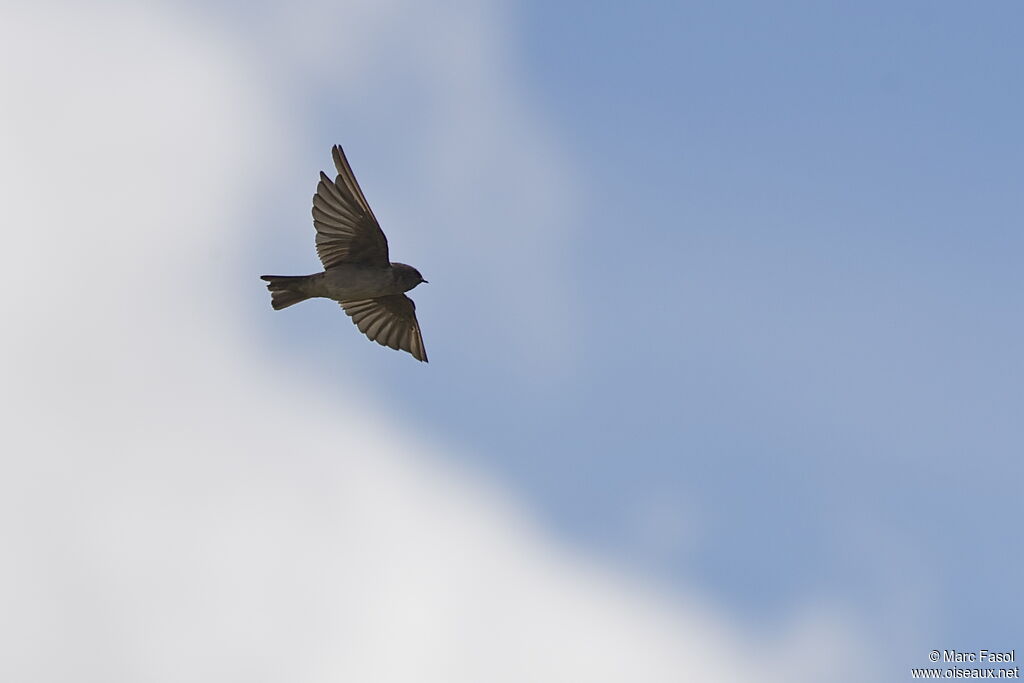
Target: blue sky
column 723, row 319
column 800, row 258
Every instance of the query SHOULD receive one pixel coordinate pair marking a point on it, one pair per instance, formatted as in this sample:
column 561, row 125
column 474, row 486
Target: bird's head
column 407, row 275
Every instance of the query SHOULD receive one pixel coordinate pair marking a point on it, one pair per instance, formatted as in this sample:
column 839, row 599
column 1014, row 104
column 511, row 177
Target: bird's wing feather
column 389, row 321
column 346, row 229
column 346, row 176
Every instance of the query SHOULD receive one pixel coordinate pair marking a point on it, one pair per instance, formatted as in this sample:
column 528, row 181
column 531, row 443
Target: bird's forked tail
column 285, row 290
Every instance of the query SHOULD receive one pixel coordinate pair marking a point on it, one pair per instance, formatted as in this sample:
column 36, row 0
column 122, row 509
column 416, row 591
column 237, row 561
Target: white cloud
column 173, row 507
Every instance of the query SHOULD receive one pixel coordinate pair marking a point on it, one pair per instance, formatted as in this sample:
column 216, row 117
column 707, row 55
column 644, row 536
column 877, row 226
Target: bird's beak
column 424, row 282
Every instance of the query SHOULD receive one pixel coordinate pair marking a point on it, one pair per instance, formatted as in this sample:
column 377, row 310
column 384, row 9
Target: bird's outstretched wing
column 389, row 321
column 346, row 229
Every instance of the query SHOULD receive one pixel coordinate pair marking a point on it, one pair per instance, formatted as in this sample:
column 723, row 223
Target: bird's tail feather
column 285, row 290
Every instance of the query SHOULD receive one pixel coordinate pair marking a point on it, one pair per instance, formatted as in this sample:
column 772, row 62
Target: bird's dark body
column 354, row 281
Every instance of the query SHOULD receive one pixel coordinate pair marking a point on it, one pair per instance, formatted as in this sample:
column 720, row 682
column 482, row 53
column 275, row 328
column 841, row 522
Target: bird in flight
column 358, row 272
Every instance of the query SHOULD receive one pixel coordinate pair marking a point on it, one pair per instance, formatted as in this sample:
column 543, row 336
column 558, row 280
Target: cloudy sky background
column 723, row 318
